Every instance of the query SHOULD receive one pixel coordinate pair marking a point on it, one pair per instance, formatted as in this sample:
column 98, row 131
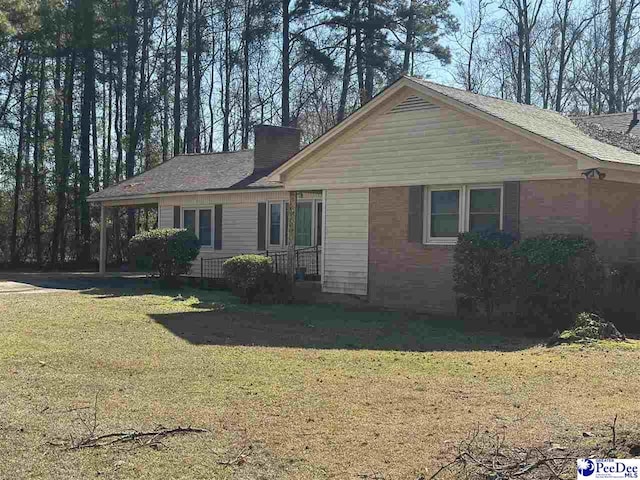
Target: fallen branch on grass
column 485, row 455
column 155, row 437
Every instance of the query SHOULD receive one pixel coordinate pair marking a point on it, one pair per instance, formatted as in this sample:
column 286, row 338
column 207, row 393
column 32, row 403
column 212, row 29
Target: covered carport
column 109, row 209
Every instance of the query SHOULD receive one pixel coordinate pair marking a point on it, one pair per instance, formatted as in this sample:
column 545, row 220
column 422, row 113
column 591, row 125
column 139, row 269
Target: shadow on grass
column 115, row 286
column 330, row 327
column 224, row 320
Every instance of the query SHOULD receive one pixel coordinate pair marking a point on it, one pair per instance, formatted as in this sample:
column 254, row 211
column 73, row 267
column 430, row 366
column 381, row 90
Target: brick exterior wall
column 274, row 145
column 608, row 212
column 406, row 274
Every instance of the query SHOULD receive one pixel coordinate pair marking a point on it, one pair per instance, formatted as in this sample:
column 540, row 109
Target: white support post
column 103, row 240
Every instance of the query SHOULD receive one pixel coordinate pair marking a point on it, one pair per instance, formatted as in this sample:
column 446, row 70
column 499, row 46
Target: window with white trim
column 200, row 222
column 308, row 223
column 275, row 223
column 462, row 208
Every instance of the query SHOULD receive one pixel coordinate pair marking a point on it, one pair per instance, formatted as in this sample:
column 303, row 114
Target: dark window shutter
column 262, row 226
column 217, row 241
column 511, row 214
column 416, row 204
column 176, row 217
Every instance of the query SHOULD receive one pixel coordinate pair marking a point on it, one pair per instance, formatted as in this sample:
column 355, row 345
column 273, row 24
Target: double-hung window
column 484, row 209
column 461, row 208
column 199, row 221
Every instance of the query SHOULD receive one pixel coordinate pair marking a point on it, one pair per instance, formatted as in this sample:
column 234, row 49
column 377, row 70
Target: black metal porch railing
column 307, row 264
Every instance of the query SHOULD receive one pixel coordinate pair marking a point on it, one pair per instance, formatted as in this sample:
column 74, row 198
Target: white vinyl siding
column 239, row 219
column 346, row 248
column 165, row 216
column 429, row 146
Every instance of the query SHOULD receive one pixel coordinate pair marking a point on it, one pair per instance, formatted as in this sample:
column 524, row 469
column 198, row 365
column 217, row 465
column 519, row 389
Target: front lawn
column 300, row 392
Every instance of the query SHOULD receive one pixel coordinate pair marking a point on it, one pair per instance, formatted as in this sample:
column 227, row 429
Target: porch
column 307, row 264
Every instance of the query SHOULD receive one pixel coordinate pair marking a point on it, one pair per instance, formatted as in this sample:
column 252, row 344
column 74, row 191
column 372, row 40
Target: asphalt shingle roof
column 617, row 122
column 192, row 173
column 546, row 123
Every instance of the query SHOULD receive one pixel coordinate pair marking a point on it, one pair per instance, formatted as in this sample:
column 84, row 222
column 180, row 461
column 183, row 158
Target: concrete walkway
column 51, row 282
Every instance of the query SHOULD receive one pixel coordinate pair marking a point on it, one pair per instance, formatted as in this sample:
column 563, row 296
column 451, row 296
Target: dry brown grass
column 316, row 391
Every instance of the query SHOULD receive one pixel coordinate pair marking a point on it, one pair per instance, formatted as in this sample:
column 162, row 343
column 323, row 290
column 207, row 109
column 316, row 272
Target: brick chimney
column 274, row 145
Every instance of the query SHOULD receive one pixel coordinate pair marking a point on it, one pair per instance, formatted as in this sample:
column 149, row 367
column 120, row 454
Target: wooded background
column 95, row 91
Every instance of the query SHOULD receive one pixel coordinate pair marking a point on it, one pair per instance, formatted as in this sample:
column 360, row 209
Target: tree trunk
column 19, row 156
column 106, row 169
column 346, row 73
column 58, row 125
column 246, row 112
column 165, row 94
column 130, row 114
column 67, row 137
column 38, row 153
column 177, row 149
column 360, row 67
column 211, row 110
column 611, row 90
column 369, row 51
column 286, row 72
column 291, row 235
column 197, row 77
column 409, row 40
column 189, row 129
column 94, row 142
column 227, row 78
column 562, row 59
column 87, row 18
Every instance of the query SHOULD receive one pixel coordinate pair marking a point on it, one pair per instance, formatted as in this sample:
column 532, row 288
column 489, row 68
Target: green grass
column 318, row 391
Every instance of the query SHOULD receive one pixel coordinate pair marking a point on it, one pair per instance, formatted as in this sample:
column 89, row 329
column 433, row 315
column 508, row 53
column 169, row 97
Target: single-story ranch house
column 387, row 191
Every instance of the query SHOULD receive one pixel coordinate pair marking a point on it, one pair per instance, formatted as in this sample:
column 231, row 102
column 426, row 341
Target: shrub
column 171, row 250
column 248, row 275
column 620, row 301
column 558, row 276
column 274, row 288
column 483, row 269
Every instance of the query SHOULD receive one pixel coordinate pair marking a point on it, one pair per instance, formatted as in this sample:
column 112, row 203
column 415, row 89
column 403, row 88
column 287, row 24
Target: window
column 275, row 224
column 308, row 223
column 189, row 220
column 205, row 227
column 484, row 209
column 199, row 221
column 304, row 224
column 444, row 213
column 451, row 210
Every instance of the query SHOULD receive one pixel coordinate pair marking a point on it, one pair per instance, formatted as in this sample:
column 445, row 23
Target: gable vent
column 412, row 104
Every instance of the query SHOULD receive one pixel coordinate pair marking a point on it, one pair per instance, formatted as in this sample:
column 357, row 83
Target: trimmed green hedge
column 559, row 276
column 171, row 250
column 545, row 280
column 247, row 275
column 483, row 269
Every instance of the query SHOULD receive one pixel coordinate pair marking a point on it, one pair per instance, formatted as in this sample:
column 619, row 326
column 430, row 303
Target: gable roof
column 546, row 126
column 192, row 173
